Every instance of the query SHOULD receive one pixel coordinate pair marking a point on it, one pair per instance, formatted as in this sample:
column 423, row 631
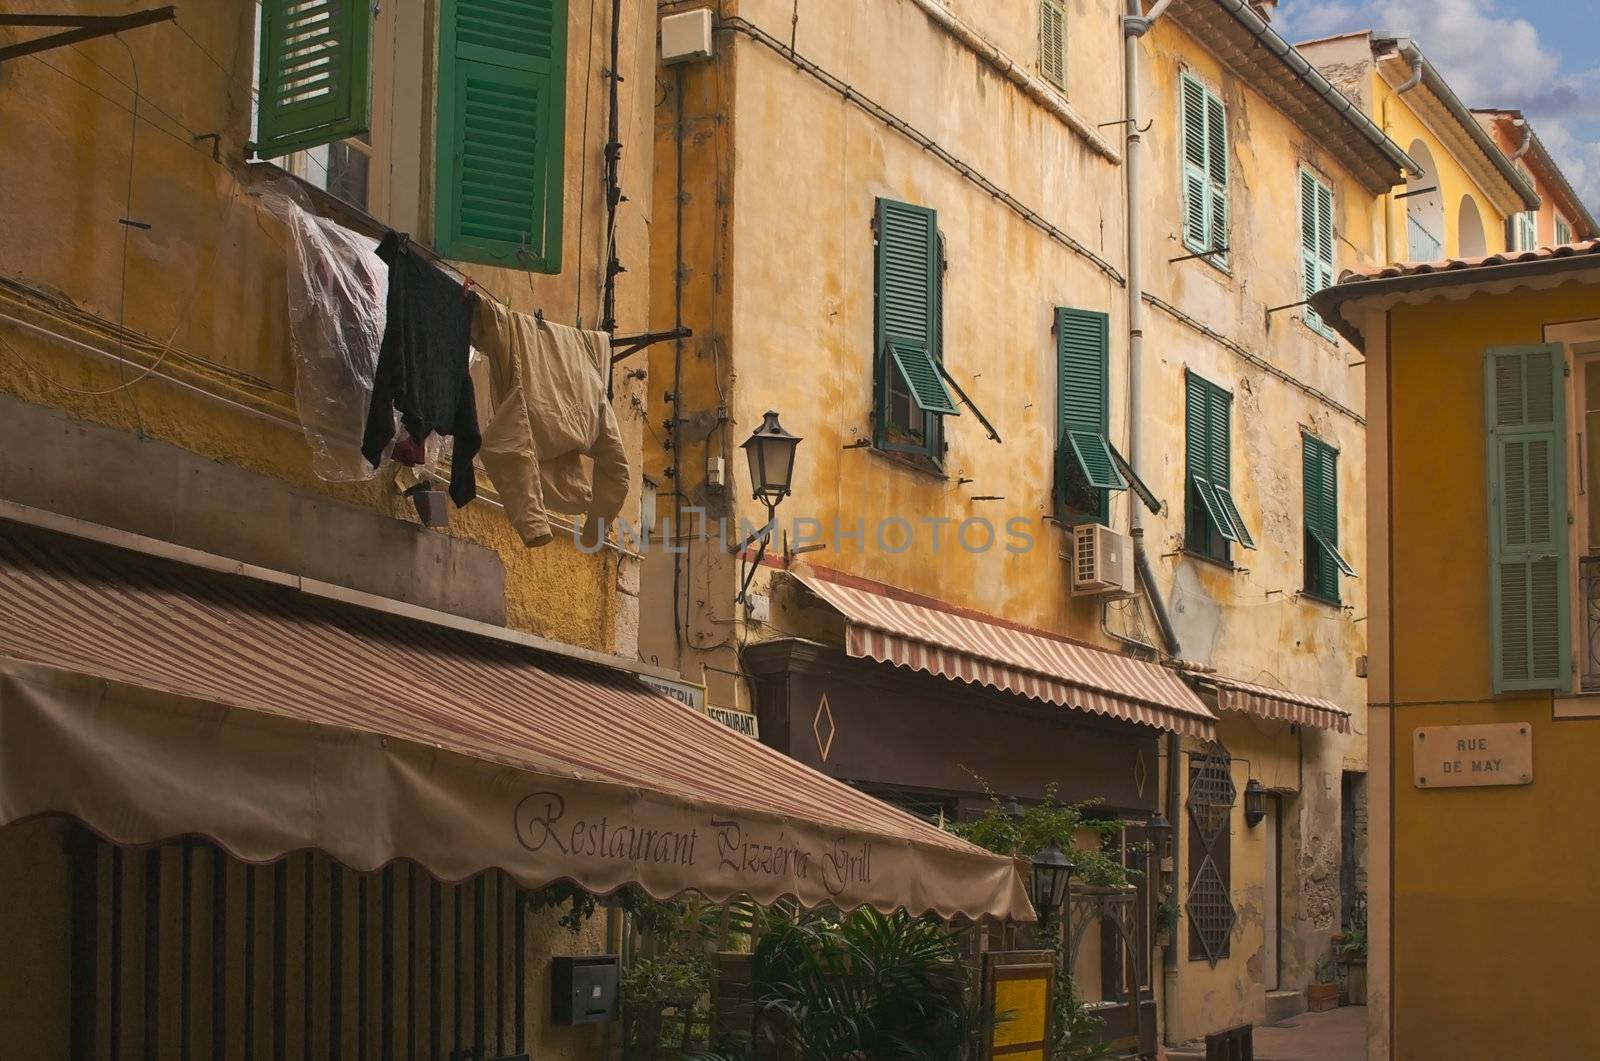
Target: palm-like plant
column 863, row 986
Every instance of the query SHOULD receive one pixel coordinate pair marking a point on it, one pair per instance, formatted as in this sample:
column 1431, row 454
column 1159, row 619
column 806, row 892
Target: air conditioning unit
column 1102, row 561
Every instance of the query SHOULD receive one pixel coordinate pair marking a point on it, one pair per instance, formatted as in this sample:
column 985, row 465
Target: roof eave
column 1378, row 162
column 1331, row 302
column 1446, row 95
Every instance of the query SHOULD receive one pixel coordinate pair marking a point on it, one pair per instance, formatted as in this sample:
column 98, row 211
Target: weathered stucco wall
column 1250, row 619
column 778, row 178
column 207, row 276
column 793, row 330
column 1492, row 945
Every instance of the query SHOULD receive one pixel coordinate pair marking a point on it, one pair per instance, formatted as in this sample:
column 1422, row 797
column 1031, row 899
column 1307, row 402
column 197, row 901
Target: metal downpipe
column 1133, row 27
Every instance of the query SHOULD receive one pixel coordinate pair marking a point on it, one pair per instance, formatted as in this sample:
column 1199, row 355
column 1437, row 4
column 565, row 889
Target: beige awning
column 151, row 699
column 1267, row 702
column 988, row 651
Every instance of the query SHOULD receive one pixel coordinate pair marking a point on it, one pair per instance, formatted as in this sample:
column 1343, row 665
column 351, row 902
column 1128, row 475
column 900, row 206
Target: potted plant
column 1323, row 995
column 1353, row 957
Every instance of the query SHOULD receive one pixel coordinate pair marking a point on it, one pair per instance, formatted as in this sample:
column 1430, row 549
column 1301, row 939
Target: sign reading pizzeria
column 1473, row 756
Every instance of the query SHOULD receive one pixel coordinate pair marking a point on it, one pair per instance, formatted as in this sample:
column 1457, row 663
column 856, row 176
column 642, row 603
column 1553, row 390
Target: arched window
column 1473, row 242
column 1424, row 209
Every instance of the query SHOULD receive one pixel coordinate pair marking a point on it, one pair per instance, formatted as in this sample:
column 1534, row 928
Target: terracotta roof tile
column 1448, row 265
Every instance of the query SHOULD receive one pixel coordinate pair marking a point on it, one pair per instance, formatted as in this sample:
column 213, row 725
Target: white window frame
column 1563, row 231
column 1580, row 342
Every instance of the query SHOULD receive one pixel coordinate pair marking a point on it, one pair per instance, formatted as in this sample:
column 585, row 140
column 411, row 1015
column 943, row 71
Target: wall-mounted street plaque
column 1470, row 756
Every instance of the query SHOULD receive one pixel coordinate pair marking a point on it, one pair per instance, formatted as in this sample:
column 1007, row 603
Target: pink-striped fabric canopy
column 1031, row 663
column 1267, row 702
column 151, row 700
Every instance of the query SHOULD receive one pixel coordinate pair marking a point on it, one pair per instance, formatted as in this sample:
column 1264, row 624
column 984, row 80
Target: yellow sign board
column 1025, row 1007
column 1017, row 985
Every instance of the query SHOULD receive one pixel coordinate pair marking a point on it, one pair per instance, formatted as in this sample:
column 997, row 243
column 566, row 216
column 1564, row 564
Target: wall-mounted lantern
column 1255, row 802
column 1160, row 832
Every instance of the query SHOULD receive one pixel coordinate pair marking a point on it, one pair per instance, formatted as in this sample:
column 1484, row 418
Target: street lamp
column 1052, row 875
column 770, row 451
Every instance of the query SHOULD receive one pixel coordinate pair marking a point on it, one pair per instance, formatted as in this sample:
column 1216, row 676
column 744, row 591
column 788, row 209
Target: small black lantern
column 770, row 450
column 1052, row 874
column 1012, row 809
column 1255, row 802
column 1160, row 832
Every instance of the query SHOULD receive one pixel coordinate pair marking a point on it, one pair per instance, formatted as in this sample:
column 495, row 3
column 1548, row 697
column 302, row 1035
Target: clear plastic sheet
column 338, row 288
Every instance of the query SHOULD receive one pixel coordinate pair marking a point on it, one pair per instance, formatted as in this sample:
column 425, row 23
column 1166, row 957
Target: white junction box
column 686, row 36
column 1102, row 561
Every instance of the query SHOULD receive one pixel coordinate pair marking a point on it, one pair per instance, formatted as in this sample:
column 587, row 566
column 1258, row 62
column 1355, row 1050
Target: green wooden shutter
column 1083, row 352
column 907, row 324
column 315, row 77
column 1053, row 42
column 1196, row 170
column 502, row 100
column 1217, row 173
column 1320, row 477
column 1529, row 578
column 1316, row 245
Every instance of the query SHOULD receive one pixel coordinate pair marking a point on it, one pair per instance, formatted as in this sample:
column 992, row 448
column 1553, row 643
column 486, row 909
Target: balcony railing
column 1589, row 601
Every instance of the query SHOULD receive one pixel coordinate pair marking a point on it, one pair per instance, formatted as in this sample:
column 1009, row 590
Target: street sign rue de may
column 1473, row 756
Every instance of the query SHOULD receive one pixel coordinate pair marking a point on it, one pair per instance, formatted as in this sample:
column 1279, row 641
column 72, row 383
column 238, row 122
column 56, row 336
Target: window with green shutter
column 1085, row 468
column 1053, row 42
column 1212, row 520
column 1316, row 246
column 1525, row 403
column 315, row 77
column 1205, row 169
column 1323, row 561
column 910, row 392
column 502, row 87
column 1563, row 231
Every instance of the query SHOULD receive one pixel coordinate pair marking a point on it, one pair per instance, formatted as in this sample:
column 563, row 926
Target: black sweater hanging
column 422, row 364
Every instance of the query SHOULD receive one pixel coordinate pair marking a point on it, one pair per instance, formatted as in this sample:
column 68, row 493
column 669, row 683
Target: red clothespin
column 466, row 288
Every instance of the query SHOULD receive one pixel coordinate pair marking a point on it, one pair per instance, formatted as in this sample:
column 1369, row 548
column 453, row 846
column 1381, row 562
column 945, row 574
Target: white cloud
column 1490, row 57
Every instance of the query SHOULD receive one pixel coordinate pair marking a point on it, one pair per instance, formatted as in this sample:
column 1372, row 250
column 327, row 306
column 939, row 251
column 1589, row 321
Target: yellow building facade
column 1456, row 204
column 1489, row 944
column 778, row 154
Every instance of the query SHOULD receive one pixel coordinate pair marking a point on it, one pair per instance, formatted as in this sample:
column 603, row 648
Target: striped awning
column 1032, row 663
column 152, row 699
column 1267, row 702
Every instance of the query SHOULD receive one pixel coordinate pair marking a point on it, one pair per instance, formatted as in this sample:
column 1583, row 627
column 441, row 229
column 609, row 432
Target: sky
column 1538, row 56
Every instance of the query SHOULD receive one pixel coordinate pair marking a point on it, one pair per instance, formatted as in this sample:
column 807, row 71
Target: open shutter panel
column 1217, row 170
column 315, row 79
column 1528, row 512
column 1196, row 179
column 922, row 378
column 501, row 115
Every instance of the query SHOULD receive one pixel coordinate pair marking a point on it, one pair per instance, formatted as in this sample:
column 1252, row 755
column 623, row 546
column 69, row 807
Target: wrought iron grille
column 1589, row 594
column 1210, row 907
